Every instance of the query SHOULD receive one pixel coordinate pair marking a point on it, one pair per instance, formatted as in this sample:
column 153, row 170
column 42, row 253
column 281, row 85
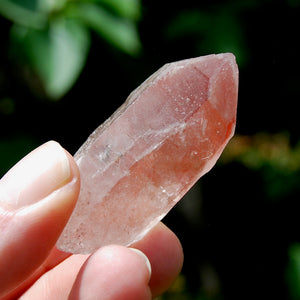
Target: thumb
column 37, row 197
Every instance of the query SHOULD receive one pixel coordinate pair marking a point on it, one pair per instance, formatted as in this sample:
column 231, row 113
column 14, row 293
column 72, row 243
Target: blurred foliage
column 14, row 149
column 218, row 29
column 241, row 231
column 53, row 38
column 293, row 271
column 273, row 156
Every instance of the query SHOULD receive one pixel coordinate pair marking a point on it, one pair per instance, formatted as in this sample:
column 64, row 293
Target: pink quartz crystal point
column 138, row 164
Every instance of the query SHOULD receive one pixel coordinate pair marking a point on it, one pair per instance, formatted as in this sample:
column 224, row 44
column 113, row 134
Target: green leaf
column 130, row 9
column 119, row 32
column 50, row 6
column 57, row 54
column 24, row 13
column 25, row 4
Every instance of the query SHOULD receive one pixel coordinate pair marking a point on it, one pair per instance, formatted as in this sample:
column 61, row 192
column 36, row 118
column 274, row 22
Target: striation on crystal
column 139, row 163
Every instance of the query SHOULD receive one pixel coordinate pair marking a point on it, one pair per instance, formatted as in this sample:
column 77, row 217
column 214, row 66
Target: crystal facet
column 138, row 164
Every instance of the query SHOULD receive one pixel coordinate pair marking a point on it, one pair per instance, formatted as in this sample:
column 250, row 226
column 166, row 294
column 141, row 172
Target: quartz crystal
column 138, row 164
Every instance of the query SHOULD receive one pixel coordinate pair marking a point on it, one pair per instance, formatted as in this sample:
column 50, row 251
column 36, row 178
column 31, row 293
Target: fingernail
column 41, row 172
column 141, row 254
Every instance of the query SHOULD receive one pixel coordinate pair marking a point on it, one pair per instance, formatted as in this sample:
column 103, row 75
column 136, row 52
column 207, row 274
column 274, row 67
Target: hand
column 37, row 197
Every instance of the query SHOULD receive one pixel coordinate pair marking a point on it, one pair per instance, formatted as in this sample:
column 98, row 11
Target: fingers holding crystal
column 37, row 197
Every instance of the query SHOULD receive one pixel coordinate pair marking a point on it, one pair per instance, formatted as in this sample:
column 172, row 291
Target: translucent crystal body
column 138, row 164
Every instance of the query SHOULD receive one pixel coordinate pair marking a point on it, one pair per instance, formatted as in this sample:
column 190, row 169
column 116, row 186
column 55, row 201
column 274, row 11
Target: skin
column 37, row 197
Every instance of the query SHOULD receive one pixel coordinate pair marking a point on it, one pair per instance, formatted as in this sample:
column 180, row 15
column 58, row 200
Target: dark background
column 240, row 226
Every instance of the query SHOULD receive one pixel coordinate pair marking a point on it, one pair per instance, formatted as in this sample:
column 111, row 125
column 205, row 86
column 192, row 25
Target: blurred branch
column 263, row 148
column 270, row 154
